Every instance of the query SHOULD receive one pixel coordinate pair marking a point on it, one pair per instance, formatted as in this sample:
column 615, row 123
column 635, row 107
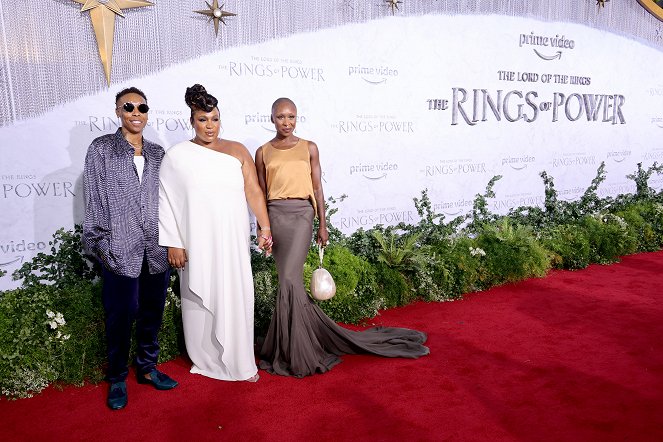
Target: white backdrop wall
column 396, row 105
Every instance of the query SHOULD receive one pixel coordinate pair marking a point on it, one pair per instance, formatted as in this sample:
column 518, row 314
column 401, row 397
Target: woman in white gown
column 205, row 185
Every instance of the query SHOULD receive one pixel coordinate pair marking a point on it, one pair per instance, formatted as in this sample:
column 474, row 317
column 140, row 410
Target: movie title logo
column 616, row 189
column 373, row 171
column 454, row 167
column 372, row 74
column 571, row 160
column 480, row 105
column 14, row 187
column 656, row 155
column 502, row 205
column 371, row 217
column 364, row 124
column 106, row 124
column 269, row 67
column 518, row 163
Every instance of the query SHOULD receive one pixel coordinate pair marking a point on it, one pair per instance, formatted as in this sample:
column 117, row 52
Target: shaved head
column 283, row 100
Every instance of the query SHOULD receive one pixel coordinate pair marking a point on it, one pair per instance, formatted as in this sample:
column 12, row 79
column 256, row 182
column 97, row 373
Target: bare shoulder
column 312, row 147
column 238, row 150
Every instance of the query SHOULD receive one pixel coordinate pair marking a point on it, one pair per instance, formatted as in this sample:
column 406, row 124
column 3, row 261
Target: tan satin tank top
column 288, row 172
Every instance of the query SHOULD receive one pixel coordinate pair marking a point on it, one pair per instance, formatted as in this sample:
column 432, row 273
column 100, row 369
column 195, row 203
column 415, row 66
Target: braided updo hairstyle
column 197, row 98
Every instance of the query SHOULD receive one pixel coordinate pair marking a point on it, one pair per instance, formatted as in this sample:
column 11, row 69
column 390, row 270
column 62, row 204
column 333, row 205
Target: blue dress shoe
column 117, row 395
column 159, row 380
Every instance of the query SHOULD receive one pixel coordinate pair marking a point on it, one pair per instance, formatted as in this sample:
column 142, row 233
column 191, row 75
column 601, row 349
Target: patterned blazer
column 121, row 212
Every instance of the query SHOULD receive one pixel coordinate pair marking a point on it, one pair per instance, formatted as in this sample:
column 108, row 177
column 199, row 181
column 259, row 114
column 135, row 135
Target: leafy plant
column 512, row 252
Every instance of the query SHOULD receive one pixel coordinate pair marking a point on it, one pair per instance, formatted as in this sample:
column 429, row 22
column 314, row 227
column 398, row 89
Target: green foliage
column 609, row 237
column 459, row 267
column 398, row 252
column 480, row 214
column 512, row 252
column 66, row 264
column 569, row 245
column 356, row 295
column 641, row 178
column 49, row 334
column 51, row 329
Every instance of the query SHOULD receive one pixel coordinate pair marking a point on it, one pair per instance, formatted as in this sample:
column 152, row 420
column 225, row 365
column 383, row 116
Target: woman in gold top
column 301, row 339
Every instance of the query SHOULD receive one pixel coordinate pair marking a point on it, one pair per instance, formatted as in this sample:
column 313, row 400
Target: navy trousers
column 127, row 300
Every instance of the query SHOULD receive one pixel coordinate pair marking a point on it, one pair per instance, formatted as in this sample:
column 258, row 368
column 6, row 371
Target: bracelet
column 266, row 238
column 265, row 229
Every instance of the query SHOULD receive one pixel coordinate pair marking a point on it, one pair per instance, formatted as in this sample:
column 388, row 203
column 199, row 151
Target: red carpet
column 576, row 356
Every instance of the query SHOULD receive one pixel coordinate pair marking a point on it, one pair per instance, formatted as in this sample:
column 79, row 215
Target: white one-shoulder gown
column 203, row 209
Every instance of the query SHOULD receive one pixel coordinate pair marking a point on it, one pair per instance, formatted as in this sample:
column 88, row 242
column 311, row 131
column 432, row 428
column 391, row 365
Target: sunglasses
column 142, row 108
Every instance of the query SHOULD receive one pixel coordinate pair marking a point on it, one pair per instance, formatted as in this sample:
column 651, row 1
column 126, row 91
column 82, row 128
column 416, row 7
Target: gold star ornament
column 103, row 22
column 393, row 4
column 216, row 13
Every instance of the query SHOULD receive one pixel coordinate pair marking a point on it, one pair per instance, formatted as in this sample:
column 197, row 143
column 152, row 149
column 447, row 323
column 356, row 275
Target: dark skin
column 207, row 126
column 284, row 117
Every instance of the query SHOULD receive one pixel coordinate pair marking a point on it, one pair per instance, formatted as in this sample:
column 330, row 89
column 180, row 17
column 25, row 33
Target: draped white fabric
column 203, row 209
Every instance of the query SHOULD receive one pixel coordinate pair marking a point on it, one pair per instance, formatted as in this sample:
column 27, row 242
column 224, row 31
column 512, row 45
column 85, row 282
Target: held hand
column 323, row 236
column 265, row 243
column 177, row 257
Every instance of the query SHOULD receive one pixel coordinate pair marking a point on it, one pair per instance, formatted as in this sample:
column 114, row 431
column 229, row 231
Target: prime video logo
column 373, row 75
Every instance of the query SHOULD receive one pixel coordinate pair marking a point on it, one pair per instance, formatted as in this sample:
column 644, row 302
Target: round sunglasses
column 129, row 107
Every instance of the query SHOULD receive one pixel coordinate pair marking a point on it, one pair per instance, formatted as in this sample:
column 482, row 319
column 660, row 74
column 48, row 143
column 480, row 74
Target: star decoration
column 216, row 13
column 103, row 22
column 393, row 4
column 601, row 3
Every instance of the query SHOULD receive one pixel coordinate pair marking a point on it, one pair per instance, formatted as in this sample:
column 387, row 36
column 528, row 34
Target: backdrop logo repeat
column 454, row 167
column 570, row 194
column 264, row 121
column 546, row 47
column 372, row 74
column 21, row 186
column 13, row 251
column 161, row 120
column 519, row 162
column 508, row 202
column 369, row 217
column 374, row 170
column 272, row 67
column 615, row 189
column 618, row 156
column 453, row 208
column 374, row 124
column 573, row 160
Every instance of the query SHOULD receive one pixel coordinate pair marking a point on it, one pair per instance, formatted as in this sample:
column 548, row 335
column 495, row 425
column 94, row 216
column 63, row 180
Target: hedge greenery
column 51, row 328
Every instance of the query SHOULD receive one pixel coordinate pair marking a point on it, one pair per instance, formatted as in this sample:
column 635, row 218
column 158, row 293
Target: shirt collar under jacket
column 122, row 145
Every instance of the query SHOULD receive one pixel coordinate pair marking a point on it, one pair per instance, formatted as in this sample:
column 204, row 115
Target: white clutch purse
column 323, row 286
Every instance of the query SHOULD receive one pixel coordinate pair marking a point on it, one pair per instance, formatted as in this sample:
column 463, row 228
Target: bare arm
column 318, row 194
column 256, row 198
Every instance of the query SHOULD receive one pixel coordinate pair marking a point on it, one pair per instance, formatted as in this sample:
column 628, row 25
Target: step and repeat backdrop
column 396, row 105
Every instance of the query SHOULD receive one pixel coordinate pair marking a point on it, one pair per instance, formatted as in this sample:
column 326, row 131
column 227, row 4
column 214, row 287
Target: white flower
column 53, row 324
column 60, row 319
column 50, row 314
column 477, row 251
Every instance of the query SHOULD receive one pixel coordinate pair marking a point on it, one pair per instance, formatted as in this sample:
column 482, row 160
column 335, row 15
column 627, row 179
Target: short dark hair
column 130, row 90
